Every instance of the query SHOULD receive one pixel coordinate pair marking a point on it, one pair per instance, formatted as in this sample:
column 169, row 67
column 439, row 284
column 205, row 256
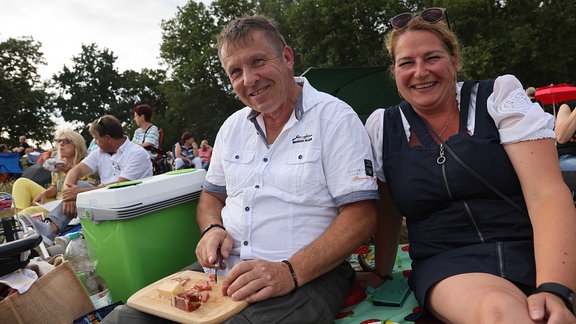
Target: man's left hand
column 257, row 280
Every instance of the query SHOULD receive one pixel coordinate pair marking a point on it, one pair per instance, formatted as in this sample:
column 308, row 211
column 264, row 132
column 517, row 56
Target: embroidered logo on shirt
column 368, row 168
column 301, row 139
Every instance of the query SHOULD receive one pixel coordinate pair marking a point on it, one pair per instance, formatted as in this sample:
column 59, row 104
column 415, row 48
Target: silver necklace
column 447, row 123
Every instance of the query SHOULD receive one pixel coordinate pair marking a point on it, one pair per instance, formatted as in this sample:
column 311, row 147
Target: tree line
column 529, row 38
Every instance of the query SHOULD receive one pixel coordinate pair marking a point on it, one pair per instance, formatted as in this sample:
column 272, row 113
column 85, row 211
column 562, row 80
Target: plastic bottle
column 78, row 255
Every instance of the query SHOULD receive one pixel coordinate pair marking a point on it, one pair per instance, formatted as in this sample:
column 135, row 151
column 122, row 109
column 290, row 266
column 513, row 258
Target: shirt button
column 246, row 208
column 265, row 159
column 237, row 157
column 257, row 186
column 300, row 157
column 245, row 243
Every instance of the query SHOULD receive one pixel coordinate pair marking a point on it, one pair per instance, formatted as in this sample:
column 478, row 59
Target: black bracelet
column 211, row 226
column 292, row 273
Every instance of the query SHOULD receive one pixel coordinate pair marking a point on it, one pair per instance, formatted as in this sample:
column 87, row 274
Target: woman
column 27, row 193
column 566, row 135
column 146, row 135
column 479, row 247
column 186, row 153
column 205, row 154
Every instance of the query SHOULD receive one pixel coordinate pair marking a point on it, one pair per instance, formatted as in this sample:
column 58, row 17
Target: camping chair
column 10, row 168
column 160, row 164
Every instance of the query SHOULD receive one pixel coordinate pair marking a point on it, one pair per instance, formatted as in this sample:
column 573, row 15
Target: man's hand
column 549, row 308
column 208, row 245
column 70, row 192
column 69, row 208
column 257, row 280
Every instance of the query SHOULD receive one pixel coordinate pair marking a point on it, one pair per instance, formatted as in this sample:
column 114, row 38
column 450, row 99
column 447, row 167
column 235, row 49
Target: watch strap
column 559, row 290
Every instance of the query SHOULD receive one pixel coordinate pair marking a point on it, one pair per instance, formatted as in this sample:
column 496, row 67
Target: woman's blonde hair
column 440, row 29
column 79, row 143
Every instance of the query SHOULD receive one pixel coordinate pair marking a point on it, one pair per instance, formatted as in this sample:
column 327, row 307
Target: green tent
column 363, row 88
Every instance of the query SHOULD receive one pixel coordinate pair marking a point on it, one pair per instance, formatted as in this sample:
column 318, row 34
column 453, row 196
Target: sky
column 129, row 28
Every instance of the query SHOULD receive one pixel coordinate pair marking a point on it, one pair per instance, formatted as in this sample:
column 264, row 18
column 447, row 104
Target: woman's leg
column 478, row 298
column 24, row 191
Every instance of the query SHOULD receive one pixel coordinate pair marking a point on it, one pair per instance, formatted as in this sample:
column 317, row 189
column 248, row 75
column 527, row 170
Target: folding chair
column 10, row 168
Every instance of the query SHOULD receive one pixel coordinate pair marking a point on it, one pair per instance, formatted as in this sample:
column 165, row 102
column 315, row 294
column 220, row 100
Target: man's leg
column 316, row 302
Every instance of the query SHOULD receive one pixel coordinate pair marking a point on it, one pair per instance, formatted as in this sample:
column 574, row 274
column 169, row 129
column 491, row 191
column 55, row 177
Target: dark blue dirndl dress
column 456, row 224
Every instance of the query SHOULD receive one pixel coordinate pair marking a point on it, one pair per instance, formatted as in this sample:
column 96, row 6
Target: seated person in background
column 531, row 93
column 4, row 148
column 186, row 153
column 22, row 146
column 31, row 156
column 565, row 130
column 205, row 154
column 71, row 149
column 146, row 135
column 118, row 159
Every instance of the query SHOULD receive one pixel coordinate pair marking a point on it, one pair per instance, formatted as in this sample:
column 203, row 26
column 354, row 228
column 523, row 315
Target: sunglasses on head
column 430, row 15
column 104, row 130
column 63, row 141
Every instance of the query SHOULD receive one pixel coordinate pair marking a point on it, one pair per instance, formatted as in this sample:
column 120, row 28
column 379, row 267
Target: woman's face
column 424, row 70
column 138, row 119
column 66, row 148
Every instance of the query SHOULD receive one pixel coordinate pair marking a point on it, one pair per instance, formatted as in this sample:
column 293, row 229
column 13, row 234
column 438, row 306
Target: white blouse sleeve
column 375, row 128
column 516, row 117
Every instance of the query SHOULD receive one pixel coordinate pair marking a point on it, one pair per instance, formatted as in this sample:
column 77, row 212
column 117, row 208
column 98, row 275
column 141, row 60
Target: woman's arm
column 552, row 213
column 565, row 124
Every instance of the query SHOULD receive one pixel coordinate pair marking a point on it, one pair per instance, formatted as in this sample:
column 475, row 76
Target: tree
column 24, row 101
column 199, row 93
column 90, row 89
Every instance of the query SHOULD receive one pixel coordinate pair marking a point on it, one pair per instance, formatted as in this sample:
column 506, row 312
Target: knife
column 217, row 264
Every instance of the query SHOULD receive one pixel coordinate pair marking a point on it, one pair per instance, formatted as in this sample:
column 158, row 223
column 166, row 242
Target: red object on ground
column 356, row 295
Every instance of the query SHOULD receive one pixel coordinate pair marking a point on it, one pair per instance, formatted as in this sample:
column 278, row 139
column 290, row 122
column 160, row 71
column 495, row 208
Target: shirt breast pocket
column 303, row 173
column 239, row 170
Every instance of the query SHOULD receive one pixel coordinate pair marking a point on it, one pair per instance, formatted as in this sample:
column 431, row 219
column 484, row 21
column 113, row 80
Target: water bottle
column 79, row 257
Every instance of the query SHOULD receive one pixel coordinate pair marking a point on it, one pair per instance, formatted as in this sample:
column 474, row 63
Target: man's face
column 104, row 143
column 259, row 75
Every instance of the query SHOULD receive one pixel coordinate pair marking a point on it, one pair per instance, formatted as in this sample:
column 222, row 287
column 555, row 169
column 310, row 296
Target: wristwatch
column 561, row 291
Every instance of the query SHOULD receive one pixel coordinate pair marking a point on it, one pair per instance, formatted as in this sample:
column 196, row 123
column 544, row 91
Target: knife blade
column 217, row 264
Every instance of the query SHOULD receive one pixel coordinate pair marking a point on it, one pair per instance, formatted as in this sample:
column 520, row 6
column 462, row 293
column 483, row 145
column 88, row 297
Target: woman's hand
column 64, row 167
column 41, row 198
column 550, row 308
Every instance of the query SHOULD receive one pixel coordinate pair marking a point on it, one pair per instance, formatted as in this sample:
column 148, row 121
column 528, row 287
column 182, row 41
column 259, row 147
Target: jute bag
column 56, row 297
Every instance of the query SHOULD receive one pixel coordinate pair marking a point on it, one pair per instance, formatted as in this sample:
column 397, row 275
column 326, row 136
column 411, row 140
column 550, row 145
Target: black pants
column 316, row 302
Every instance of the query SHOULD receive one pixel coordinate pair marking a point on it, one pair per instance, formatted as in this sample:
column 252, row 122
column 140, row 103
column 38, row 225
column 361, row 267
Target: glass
column 430, row 15
column 63, row 141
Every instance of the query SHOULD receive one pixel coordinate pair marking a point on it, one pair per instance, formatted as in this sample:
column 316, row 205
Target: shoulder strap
column 465, row 100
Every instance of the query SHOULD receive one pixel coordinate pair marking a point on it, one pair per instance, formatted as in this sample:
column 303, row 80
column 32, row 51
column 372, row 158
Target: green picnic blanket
column 365, row 311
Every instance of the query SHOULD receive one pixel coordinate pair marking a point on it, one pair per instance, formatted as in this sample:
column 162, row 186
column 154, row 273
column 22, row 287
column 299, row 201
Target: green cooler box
column 142, row 231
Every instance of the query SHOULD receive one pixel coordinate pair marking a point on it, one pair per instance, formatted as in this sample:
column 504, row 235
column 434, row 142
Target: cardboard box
column 56, row 297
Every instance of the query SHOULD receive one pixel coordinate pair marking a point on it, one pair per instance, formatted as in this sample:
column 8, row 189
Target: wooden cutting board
column 217, row 309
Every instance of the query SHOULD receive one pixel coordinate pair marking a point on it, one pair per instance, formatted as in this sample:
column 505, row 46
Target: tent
column 363, row 88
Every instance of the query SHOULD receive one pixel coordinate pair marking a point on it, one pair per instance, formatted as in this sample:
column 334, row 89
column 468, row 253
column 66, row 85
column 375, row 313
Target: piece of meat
column 187, row 302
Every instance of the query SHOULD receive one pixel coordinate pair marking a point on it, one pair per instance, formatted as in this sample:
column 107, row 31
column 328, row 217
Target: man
column 531, row 93
column 278, row 202
column 22, row 146
column 118, row 159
